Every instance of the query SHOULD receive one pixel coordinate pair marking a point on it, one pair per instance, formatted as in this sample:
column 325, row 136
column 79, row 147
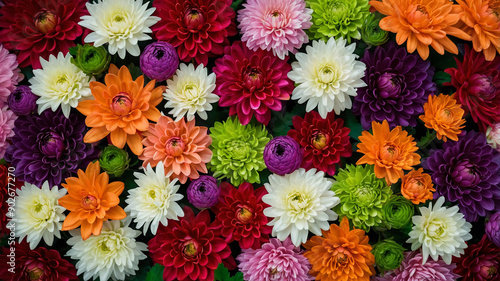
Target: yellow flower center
column 319, row 139
column 34, row 273
column 327, row 74
column 243, row 214
column 190, row 249
column 45, row 21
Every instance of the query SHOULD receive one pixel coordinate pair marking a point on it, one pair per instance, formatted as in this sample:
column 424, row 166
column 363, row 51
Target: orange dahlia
column 121, row 109
column 91, row 200
column 390, row 151
column 183, row 148
column 422, row 23
column 341, row 254
column 417, row 186
column 444, row 115
column 480, row 19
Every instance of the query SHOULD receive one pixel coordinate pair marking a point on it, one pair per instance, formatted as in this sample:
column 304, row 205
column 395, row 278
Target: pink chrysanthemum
column 276, row 260
column 7, row 118
column 10, row 74
column 275, row 25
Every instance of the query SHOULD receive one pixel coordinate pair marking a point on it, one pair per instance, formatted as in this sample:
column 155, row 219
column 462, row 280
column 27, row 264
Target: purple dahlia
column 492, row 229
column 49, row 147
column 467, row 172
column 282, row 155
column 398, row 86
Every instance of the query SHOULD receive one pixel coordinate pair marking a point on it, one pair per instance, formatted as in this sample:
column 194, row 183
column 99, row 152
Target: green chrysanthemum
column 237, row 151
column 371, row 33
column 398, row 212
column 388, row 254
column 362, row 196
column 337, row 18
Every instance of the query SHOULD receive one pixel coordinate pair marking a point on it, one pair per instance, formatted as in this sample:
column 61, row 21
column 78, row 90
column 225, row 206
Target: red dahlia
column 323, row 141
column 480, row 262
column 240, row 215
column 39, row 28
column 199, row 29
column 190, row 249
column 252, row 82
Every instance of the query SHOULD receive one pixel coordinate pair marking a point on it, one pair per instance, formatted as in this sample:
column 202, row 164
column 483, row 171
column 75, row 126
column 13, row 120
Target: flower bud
column 159, row 61
column 371, row 33
column 388, row 254
column 203, row 192
column 282, row 155
column 45, row 21
column 114, row 160
column 397, row 212
column 22, row 101
column 91, row 60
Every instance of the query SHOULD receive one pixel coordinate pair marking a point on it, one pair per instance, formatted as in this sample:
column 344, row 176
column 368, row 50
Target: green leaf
column 441, row 77
column 221, row 273
column 351, row 122
column 156, row 273
column 236, row 4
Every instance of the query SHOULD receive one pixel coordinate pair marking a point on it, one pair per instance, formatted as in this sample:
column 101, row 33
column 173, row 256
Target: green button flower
column 371, row 33
column 398, row 212
column 90, row 59
column 114, row 161
column 388, row 254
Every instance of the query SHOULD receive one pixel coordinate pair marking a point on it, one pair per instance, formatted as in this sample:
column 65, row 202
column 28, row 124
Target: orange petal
column 124, row 74
column 95, row 134
column 118, row 138
column 135, row 144
column 86, row 107
column 116, row 213
column 72, row 221
column 86, row 230
column 116, row 187
column 97, row 227
column 113, row 69
column 110, row 199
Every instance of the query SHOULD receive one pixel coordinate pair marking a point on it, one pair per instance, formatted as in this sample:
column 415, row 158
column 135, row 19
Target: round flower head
column 38, row 214
column 388, row 254
column 10, row 74
column 7, row 121
column 444, row 115
column 90, row 59
column 397, row 212
column 276, row 260
column 493, row 136
column 282, row 155
column 59, row 84
column 113, row 254
column 238, row 151
column 327, row 75
column 114, row 161
column 189, row 92
column 121, row 24
column 371, row 33
column 22, row 101
column 417, row 186
column 274, row 25
column 203, row 192
column 299, row 202
column 159, row 61
column 439, row 232
column 153, row 201
column 480, row 262
column 492, row 229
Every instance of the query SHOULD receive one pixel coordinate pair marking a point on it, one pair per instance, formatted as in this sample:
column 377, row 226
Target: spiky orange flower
column 390, row 151
column 444, row 115
column 91, row 200
column 341, row 254
column 417, row 186
column 121, row 109
column 480, row 19
column 422, row 23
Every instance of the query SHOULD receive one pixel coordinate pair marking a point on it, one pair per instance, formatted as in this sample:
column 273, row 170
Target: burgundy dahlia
column 199, row 29
column 467, row 172
column 159, row 61
column 323, row 141
column 252, row 82
column 40, row 28
column 398, row 86
column 203, row 192
column 480, row 262
column 22, row 101
column 282, row 155
column 492, row 229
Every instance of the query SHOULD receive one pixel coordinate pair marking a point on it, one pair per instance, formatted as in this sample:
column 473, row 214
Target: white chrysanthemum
column 59, row 83
column 327, row 74
column 38, row 214
column 112, row 254
column 440, row 231
column 190, row 92
column 299, row 202
column 154, row 200
column 121, row 23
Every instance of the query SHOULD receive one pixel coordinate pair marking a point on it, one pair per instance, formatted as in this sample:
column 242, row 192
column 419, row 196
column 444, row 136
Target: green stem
column 427, row 139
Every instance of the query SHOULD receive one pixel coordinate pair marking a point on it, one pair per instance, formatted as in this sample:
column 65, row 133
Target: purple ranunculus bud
column 51, row 144
column 22, row 101
column 159, row 61
column 203, row 192
column 282, row 155
column 493, row 229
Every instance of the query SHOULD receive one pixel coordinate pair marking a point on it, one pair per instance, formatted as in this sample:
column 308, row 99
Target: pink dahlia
column 252, row 82
column 275, row 25
column 7, row 118
column 10, row 74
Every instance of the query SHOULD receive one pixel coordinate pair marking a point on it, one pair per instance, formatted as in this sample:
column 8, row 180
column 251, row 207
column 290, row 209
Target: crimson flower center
column 244, row 214
column 253, row 78
column 121, row 104
column 319, row 139
column 174, row 146
column 34, row 273
column 89, row 202
column 190, row 249
column 45, row 20
column 193, row 19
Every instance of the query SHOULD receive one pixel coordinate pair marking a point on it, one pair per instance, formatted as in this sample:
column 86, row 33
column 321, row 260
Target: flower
column 240, row 215
column 10, row 74
column 477, row 84
column 90, row 59
column 282, row 155
column 252, row 82
column 418, row 21
column 439, row 232
column 154, row 200
column 121, row 24
column 190, row 249
column 362, row 196
column 371, row 33
column 199, row 29
column 341, row 254
column 238, row 151
column 190, row 92
column 114, row 160
column 182, row 146
column 59, row 84
column 22, row 101
column 391, row 151
column 388, row 254
column 276, row 260
column 327, row 75
column 49, row 147
column 121, row 109
column 492, row 229
column 38, row 215
column 203, row 192
column 276, row 26
column 38, row 29
column 114, row 254
column 480, row 262
column 323, row 141
column 467, row 172
column 493, row 136
column 91, row 200
column 298, row 203
column 37, row 264
column 417, row 186
column 159, row 60
column 444, row 115
column 397, row 212
column 7, row 125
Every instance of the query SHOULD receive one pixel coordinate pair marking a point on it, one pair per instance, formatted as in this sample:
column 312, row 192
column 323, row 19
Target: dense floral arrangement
column 256, row 140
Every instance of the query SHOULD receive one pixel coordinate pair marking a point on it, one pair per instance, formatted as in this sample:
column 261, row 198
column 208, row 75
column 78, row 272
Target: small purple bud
column 22, row 101
column 159, row 61
column 203, row 192
column 282, row 155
